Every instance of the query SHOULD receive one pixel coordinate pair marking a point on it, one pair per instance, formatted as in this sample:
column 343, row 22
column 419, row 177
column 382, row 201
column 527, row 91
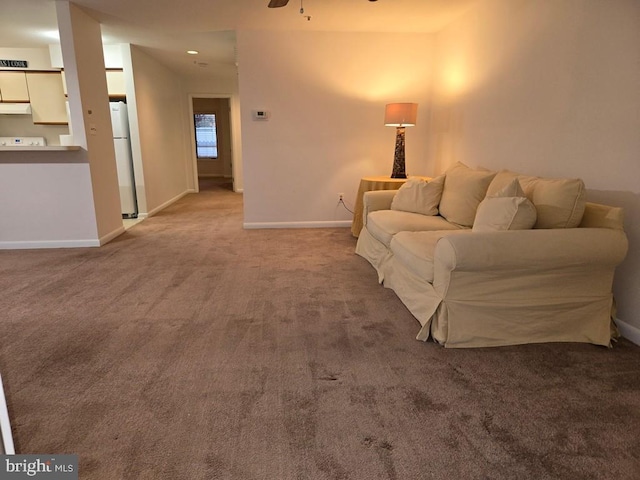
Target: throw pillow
column 419, row 196
column 507, row 209
column 464, row 189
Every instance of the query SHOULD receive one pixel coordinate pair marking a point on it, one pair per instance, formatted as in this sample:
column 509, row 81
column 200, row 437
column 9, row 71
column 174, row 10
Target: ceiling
column 165, row 29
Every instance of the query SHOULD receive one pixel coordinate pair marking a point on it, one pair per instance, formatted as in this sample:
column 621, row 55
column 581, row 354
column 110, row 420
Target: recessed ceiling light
column 192, row 52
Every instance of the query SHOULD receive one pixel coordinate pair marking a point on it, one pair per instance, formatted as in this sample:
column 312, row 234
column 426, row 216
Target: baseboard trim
column 36, row 244
column 628, row 331
column 31, row 245
column 260, row 225
column 110, row 236
column 165, row 205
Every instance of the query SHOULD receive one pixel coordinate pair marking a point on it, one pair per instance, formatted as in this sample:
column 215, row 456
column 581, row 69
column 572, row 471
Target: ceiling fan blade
column 277, row 3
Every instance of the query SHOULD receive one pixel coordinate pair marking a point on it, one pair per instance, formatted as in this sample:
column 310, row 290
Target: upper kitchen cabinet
column 64, row 83
column 13, row 87
column 115, row 84
column 47, row 98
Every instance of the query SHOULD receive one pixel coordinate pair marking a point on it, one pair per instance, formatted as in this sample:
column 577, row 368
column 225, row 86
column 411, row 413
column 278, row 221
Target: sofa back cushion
column 464, row 189
column 419, row 196
column 559, row 203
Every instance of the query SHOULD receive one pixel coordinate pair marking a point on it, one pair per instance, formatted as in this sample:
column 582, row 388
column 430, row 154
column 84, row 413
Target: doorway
column 212, row 140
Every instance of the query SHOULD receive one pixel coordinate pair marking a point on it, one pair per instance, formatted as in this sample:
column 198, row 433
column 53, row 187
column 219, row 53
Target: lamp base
column 398, row 157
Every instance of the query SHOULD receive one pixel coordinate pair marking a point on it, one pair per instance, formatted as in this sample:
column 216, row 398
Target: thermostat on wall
column 260, row 115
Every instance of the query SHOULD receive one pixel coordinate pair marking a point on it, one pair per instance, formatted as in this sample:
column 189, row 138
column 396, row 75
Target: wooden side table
column 374, row 183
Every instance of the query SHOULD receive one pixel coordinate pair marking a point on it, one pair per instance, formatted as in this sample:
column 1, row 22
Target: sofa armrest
column 526, row 286
column 376, row 200
column 531, row 250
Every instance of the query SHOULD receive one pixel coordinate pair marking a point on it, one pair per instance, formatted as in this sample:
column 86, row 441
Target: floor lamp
column 400, row 115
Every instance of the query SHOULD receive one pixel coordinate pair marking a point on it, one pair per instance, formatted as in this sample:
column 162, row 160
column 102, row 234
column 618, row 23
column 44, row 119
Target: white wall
column 112, row 56
column 326, row 94
column 223, row 81
column 160, row 107
column 553, row 89
column 81, row 42
column 22, row 126
column 46, row 200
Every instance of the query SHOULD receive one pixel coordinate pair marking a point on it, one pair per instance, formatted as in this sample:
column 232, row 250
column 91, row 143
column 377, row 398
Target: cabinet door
column 64, row 83
column 13, row 87
column 47, row 98
column 115, row 83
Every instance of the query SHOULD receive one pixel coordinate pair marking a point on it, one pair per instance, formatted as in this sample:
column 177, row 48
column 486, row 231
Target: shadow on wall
column 627, row 278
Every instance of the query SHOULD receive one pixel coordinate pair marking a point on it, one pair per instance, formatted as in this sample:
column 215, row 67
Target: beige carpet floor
column 189, row 348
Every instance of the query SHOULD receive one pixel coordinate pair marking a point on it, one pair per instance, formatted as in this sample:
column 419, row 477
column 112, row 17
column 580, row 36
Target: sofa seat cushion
column 415, row 250
column 384, row 224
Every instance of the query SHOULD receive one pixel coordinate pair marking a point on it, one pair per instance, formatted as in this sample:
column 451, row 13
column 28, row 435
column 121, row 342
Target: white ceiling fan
column 282, row 3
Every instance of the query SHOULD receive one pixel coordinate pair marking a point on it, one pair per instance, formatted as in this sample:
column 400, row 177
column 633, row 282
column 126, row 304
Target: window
column 206, row 135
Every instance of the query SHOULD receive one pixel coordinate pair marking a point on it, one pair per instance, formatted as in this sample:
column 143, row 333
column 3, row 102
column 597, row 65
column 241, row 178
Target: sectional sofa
column 485, row 258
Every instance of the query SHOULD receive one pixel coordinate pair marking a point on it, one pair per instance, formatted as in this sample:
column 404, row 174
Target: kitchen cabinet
column 47, row 98
column 64, row 83
column 13, row 87
column 115, row 83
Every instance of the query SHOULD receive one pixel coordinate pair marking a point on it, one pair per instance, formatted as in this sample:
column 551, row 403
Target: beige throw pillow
column 419, row 196
column 463, row 191
column 507, row 209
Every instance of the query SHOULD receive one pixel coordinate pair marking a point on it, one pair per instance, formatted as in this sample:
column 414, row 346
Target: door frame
column 234, row 130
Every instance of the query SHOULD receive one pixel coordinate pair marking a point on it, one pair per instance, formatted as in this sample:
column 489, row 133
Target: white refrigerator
column 124, row 159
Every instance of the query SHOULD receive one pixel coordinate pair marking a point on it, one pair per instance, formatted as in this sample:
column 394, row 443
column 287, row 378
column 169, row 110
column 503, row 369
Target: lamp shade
column 400, row 114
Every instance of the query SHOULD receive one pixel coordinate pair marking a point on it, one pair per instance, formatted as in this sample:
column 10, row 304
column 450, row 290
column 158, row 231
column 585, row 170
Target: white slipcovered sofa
column 485, row 258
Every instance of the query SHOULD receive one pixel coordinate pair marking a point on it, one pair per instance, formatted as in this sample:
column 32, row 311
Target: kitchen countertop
column 52, row 148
